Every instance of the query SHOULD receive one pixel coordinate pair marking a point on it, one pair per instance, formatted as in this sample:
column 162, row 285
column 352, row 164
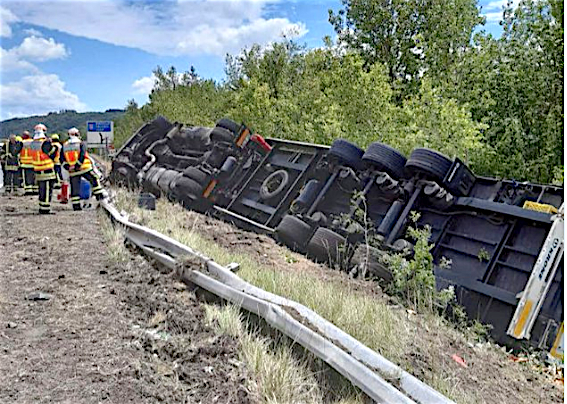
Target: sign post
column 100, row 135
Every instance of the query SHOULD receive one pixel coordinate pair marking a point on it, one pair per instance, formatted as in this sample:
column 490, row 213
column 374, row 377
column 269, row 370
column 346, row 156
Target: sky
column 93, row 55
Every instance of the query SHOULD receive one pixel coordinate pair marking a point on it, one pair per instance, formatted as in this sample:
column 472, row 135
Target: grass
column 278, row 376
column 389, row 330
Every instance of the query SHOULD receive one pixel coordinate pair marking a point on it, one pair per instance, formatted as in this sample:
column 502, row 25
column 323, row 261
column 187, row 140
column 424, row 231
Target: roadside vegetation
column 400, row 73
column 279, row 376
column 422, row 343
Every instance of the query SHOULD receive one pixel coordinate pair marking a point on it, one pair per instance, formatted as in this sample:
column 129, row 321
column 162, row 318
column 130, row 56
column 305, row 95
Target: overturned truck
column 504, row 239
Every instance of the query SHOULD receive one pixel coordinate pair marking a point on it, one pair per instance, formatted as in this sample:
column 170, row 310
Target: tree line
column 57, row 122
column 417, row 73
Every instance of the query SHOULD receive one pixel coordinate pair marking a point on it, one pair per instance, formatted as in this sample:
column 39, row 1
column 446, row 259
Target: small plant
column 413, row 279
column 483, row 255
column 290, row 259
column 479, row 331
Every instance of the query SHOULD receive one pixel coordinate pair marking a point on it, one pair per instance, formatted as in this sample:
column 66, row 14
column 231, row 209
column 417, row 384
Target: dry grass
column 279, row 377
column 423, row 345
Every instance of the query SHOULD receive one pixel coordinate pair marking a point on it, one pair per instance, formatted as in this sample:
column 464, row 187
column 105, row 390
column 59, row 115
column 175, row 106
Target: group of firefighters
column 37, row 162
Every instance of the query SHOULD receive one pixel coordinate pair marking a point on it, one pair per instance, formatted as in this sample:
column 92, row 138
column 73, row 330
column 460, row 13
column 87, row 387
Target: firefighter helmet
column 40, row 127
column 73, row 132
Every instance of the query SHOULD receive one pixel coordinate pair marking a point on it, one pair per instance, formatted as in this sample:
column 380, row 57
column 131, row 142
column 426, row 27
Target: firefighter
column 56, row 143
column 26, row 163
column 43, row 154
column 13, row 148
column 19, row 174
column 76, row 160
column 3, row 154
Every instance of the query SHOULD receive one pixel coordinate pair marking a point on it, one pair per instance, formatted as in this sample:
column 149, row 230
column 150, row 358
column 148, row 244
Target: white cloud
column 144, row 85
column 6, row 18
column 9, row 62
column 32, row 32
column 493, row 10
column 40, row 49
column 209, row 39
column 164, row 28
column 37, row 94
column 32, row 49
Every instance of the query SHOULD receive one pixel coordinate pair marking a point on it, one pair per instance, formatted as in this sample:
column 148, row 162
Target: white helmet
column 73, row 132
column 40, row 127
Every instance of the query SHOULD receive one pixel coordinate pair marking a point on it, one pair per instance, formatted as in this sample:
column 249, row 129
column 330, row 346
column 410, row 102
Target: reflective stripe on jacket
column 41, row 161
column 26, row 159
column 57, row 159
column 71, row 153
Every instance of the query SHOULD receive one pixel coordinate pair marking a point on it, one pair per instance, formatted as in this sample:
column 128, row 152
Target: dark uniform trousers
column 46, row 181
column 11, row 180
column 75, row 181
column 30, row 186
column 59, row 176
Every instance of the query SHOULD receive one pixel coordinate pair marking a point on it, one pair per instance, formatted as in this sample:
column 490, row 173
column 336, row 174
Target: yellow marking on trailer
column 210, row 188
column 523, row 318
column 557, row 350
column 540, row 207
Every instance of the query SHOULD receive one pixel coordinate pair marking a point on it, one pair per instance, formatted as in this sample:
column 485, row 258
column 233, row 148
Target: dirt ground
column 99, row 331
column 489, row 372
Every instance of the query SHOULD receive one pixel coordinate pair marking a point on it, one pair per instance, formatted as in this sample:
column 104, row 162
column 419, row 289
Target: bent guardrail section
column 359, row 364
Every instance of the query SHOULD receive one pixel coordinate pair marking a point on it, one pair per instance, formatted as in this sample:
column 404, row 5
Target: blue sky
column 92, row 55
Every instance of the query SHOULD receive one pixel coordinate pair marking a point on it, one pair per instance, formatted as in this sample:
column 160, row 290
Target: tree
column 514, row 84
column 409, row 37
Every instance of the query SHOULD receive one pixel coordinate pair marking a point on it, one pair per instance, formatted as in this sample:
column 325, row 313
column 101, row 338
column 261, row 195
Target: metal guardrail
column 362, row 366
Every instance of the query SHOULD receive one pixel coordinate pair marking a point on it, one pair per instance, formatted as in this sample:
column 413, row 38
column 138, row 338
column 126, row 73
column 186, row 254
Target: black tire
column 265, row 190
column 166, row 179
column 186, row 189
column 348, row 153
column 161, row 123
column 229, row 124
column 429, row 162
column 293, row 232
column 196, row 175
column 222, row 135
column 385, row 158
column 326, row 246
column 368, row 262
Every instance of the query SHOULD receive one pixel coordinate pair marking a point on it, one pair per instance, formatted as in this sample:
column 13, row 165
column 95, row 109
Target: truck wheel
column 274, row 184
column 229, row 124
column 293, row 232
column 385, row 158
column 429, row 162
column 222, row 135
column 368, row 263
column 348, row 153
column 196, row 175
column 161, row 123
column 186, row 189
column 326, row 246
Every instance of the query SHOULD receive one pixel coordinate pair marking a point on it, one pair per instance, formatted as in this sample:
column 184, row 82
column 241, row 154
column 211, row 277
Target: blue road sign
column 105, row 126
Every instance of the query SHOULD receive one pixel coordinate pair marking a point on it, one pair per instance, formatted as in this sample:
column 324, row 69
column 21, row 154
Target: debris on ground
column 82, row 344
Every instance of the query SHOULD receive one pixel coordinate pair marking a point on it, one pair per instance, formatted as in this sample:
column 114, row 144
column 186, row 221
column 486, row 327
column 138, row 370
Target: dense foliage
column 408, row 73
column 57, row 122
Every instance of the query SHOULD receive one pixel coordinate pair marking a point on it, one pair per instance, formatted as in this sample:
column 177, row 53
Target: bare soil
column 490, row 373
column 108, row 332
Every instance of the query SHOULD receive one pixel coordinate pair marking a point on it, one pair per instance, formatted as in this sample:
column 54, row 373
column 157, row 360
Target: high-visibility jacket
column 26, row 159
column 57, row 159
column 41, row 160
column 74, row 151
column 12, row 152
